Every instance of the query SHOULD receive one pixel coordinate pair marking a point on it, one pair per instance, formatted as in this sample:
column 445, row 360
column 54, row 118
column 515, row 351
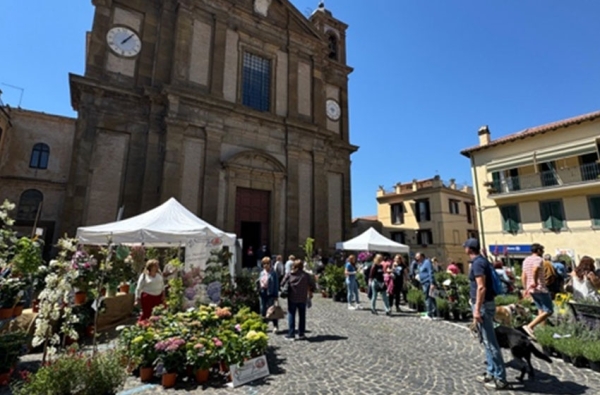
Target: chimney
column 452, row 183
column 484, row 135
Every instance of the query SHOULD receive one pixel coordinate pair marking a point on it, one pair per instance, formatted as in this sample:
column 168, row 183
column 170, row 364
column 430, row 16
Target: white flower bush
column 54, row 300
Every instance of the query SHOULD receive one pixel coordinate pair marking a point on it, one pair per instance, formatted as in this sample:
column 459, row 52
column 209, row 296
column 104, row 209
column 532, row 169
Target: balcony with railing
column 543, row 180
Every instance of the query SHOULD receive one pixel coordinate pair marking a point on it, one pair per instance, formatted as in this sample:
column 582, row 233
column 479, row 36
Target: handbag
column 275, row 312
column 380, row 287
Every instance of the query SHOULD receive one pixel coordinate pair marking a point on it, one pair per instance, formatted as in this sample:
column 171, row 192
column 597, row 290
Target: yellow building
column 540, row 185
column 429, row 216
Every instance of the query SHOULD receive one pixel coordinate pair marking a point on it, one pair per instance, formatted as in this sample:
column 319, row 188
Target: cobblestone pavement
column 355, row 352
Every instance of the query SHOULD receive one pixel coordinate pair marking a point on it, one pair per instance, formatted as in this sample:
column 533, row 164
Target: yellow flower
column 138, row 339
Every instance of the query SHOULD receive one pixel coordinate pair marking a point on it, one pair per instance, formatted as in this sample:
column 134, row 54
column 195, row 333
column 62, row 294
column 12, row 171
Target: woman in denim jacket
column 268, row 289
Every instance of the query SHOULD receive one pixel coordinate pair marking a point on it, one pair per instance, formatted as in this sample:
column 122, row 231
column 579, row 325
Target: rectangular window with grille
column 469, row 211
column 256, row 82
column 424, row 237
column 511, row 218
column 397, row 213
column 594, row 203
column 552, row 215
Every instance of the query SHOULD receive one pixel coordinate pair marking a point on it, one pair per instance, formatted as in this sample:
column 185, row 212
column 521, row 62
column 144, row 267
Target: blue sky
column 427, row 74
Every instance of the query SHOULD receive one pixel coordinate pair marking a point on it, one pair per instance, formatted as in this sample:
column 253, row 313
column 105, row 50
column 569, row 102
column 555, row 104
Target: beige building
column 35, row 158
column 429, row 216
column 239, row 109
column 540, row 185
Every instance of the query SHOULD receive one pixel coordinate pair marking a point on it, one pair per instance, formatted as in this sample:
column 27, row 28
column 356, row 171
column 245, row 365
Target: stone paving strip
column 356, row 352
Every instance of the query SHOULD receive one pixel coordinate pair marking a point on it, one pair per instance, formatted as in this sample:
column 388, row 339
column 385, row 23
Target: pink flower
column 217, row 342
column 238, row 328
column 87, row 265
column 199, row 346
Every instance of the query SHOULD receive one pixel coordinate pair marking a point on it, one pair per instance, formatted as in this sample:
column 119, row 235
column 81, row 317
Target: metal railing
column 589, row 172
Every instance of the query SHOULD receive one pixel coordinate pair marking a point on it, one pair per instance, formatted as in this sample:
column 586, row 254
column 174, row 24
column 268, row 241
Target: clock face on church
column 124, row 41
column 333, row 110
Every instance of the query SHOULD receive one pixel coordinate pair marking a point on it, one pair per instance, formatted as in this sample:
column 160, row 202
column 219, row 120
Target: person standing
column 150, row 290
column 279, row 267
column 301, row 287
column 289, row 264
column 534, row 282
column 378, row 286
column 484, row 308
column 262, row 253
column 427, row 284
column 269, row 290
column 398, row 282
column 585, row 282
column 351, row 283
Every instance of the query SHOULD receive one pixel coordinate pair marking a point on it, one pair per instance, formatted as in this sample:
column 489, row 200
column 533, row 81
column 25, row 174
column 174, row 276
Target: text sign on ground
column 251, row 370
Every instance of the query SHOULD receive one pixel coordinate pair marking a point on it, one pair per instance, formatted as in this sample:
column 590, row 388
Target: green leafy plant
column 12, row 346
column 28, row 257
column 76, row 373
column 505, row 300
column 591, row 351
column 416, row 298
column 10, row 291
column 442, row 306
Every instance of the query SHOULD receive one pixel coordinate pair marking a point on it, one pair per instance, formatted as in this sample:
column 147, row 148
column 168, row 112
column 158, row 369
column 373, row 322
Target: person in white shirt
column 150, row 291
column 279, row 267
column 289, row 263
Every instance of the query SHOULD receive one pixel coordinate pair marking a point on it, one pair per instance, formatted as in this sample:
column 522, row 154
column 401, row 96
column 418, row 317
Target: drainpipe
column 478, row 199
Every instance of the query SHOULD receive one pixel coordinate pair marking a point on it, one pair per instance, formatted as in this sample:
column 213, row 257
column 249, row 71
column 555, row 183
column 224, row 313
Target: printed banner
column 197, row 252
column 251, row 370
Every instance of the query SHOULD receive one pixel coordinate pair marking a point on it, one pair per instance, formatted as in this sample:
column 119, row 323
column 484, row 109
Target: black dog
column 520, row 347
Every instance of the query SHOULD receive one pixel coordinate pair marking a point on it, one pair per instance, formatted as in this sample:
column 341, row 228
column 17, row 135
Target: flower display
column 364, row 256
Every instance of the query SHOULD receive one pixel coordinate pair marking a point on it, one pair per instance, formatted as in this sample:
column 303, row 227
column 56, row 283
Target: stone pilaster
column 212, row 168
column 293, row 192
column 321, row 200
column 171, row 179
column 218, row 60
column 183, row 40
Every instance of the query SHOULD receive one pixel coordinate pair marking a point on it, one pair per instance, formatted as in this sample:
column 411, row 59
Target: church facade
column 237, row 108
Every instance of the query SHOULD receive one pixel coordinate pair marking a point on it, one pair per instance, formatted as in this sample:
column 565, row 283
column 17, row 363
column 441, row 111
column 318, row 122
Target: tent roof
column 371, row 240
column 166, row 225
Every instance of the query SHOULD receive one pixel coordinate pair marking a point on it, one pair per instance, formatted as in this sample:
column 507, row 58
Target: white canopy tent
column 371, row 240
column 170, row 224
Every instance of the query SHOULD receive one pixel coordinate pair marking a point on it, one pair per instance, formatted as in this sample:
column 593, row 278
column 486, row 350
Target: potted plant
column 544, row 335
column 142, row 350
column 591, row 352
column 10, row 290
column 200, row 356
column 362, row 282
column 11, row 345
column 443, row 309
column 171, row 355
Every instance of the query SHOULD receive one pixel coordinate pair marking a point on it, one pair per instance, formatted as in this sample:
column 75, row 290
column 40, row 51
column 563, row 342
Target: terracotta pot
column 202, row 375
column 146, row 373
column 168, row 380
column 35, row 306
column 4, row 378
column 80, row 298
column 124, row 288
column 223, row 367
column 18, row 310
column 6, row 313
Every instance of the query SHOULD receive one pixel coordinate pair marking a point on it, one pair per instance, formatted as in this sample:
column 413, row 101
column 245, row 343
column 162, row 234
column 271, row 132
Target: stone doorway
column 252, row 217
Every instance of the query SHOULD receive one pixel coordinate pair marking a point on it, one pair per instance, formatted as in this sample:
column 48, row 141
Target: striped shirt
column 530, row 263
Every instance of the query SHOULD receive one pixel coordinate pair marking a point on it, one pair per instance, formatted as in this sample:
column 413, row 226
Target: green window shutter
column 557, row 215
column 514, row 219
column 496, row 181
column 595, row 210
column 545, row 215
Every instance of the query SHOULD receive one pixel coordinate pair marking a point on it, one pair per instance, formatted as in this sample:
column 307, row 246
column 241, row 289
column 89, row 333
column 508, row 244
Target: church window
column 256, row 88
column 39, row 156
column 333, row 47
column 29, row 204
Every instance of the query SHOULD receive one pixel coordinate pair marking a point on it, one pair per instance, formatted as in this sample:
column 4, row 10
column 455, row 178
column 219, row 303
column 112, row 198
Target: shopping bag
column 275, row 312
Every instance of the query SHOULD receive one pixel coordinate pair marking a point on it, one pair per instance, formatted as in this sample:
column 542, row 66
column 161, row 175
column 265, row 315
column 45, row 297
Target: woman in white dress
column 150, row 291
column 584, row 280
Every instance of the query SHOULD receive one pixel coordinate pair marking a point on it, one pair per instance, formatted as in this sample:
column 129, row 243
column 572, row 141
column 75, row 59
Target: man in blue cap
column 484, row 308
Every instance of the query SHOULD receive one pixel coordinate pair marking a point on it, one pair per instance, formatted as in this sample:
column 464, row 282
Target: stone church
column 237, row 108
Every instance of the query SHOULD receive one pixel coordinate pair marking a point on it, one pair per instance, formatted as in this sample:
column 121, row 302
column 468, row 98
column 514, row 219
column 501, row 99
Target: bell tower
column 334, row 30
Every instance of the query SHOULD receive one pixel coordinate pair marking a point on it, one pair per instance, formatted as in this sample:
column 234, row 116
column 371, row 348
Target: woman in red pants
column 150, row 291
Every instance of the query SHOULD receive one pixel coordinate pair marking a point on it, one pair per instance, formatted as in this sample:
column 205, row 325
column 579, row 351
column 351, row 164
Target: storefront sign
column 251, row 370
column 510, row 249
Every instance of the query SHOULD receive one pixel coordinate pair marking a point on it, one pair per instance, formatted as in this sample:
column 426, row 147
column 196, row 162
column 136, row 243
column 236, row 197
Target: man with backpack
column 482, row 294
